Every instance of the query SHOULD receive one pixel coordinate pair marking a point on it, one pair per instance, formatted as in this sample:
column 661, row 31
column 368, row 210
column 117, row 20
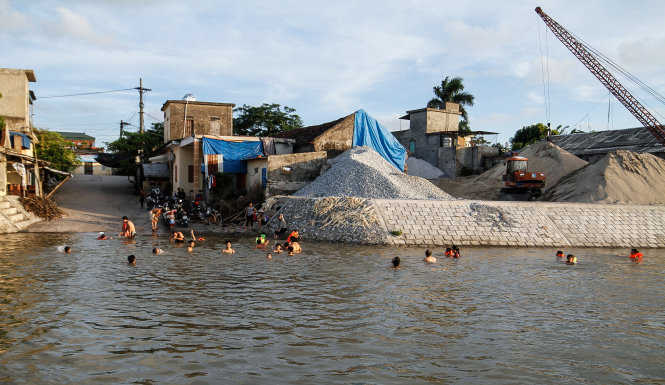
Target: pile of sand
column 543, row 156
column 618, row 177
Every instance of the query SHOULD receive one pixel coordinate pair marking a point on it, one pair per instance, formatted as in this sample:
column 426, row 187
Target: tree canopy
column 265, row 120
column 452, row 91
column 55, row 150
column 535, row 132
column 131, row 144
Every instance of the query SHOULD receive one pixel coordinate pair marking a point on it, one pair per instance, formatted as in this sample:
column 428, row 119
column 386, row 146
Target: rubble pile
column 422, row 168
column 543, row 156
column 362, row 173
column 43, row 207
column 618, row 177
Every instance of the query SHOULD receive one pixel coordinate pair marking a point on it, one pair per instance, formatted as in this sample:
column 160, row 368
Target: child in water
column 635, row 254
column 428, row 257
column 278, row 249
column 449, row 252
column 290, row 249
column 190, row 246
column 157, row 251
column 269, row 256
column 571, row 259
column 456, row 253
column 131, row 260
column 560, row 254
column 228, row 249
column 395, row 262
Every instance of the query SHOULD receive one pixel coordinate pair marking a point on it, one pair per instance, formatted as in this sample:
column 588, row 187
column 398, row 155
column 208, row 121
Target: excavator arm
column 609, row 81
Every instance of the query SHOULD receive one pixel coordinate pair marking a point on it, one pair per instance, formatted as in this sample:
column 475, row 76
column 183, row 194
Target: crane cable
column 543, row 67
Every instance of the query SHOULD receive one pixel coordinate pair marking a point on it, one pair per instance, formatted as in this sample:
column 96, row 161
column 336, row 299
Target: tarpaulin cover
column 367, row 131
column 233, row 152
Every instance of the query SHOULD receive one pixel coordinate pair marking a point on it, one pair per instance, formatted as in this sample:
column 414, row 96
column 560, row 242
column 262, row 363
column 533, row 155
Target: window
column 190, row 173
column 189, row 127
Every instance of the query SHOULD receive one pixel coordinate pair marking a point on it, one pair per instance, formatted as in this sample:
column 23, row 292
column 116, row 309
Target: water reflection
column 332, row 314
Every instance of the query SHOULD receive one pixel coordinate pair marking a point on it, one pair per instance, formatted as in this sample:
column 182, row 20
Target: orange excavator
column 519, row 180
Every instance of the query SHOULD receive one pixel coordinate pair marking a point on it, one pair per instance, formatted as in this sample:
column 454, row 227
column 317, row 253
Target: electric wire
column 84, row 93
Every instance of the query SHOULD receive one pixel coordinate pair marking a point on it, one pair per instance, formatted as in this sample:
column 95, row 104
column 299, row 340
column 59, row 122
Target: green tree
column 55, row 150
column 452, row 91
column 132, row 144
column 265, row 120
column 535, row 132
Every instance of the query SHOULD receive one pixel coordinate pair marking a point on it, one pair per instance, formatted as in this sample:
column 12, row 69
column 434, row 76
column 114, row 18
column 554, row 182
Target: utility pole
column 141, row 91
column 122, row 125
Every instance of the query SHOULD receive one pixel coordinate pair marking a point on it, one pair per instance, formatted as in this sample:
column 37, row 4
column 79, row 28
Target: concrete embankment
column 480, row 223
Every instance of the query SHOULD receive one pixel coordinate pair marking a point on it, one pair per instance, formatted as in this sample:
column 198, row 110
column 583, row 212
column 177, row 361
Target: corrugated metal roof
column 601, row 142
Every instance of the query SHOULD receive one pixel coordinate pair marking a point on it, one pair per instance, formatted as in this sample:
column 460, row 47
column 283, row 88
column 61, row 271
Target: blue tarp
column 25, row 139
column 233, row 153
column 367, row 131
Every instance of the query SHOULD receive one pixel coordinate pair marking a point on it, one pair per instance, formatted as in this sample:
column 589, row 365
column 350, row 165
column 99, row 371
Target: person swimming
column 278, row 249
column 269, row 256
column 635, row 254
column 456, row 253
column 228, row 249
column 102, row 236
column 449, row 252
column 396, row 262
column 571, row 259
column 290, row 249
column 177, row 237
column 190, row 246
column 428, row 257
column 560, row 254
column 157, row 251
column 67, row 249
column 261, row 242
column 131, row 260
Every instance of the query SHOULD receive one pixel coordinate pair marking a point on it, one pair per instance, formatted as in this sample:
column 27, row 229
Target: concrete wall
column 448, row 162
column 485, row 223
column 209, row 118
column 97, row 169
column 255, row 167
column 15, row 101
column 337, row 139
column 184, row 157
column 305, row 167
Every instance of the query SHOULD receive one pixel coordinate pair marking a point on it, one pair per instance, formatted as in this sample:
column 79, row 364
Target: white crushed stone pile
column 361, row 172
column 422, row 168
column 543, row 156
column 618, row 177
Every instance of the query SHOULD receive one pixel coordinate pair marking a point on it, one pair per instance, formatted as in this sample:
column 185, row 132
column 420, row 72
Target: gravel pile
column 422, row 168
column 361, row 172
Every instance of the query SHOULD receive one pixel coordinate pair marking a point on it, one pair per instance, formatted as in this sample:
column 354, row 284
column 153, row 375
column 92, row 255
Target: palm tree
column 452, row 90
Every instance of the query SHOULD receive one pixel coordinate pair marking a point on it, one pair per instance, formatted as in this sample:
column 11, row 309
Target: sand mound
column 618, row 177
column 361, row 172
column 421, row 168
column 543, row 156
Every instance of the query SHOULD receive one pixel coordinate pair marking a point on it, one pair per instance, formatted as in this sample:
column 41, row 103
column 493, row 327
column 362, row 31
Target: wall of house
column 337, row 139
column 3, row 175
column 255, row 170
column 14, row 104
column 209, row 119
column 184, row 157
column 442, row 120
column 97, row 169
column 304, row 168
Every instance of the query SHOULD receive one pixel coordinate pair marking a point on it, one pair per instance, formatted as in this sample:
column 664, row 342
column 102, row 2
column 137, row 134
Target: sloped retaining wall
column 481, row 223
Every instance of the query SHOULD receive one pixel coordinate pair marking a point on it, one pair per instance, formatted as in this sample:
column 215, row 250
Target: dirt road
column 95, row 203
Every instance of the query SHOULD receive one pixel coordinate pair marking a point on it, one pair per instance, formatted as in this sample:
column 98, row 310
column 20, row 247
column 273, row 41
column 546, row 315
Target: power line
column 84, row 93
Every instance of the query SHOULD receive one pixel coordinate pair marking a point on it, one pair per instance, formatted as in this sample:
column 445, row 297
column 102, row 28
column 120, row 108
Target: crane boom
column 609, row 81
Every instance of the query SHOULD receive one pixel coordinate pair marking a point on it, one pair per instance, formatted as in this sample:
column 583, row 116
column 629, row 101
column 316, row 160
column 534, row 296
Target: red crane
column 609, row 81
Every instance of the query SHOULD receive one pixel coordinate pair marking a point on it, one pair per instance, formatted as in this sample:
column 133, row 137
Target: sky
column 328, row 59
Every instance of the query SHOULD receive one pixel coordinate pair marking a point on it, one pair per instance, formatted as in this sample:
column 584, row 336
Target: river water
column 333, row 314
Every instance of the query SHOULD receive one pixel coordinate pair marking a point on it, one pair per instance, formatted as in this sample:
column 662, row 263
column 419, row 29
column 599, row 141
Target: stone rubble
column 421, row 168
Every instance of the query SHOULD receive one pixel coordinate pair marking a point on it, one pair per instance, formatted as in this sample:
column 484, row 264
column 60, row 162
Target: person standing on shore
column 249, row 216
column 154, row 217
column 281, row 226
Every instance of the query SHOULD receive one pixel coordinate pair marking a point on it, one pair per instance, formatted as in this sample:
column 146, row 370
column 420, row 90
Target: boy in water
column 190, row 246
column 261, row 242
column 128, row 228
column 278, row 249
column 290, row 249
column 157, row 251
column 67, row 249
column 196, row 239
column 103, row 236
column 635, row 254
column 449, row 252
column 177, row 237
column 428, row 257
column 571, row 259
column 228, row 249
column 131, row 260
column 559, row 254
column 456, row 253
column 396, row 262
column 269, row 256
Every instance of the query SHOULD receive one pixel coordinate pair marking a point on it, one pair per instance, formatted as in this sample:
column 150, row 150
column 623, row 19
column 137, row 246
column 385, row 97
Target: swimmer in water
column 157, row 251
column 571, row 259
column 290, row 249
column 197, row 239
column 635, row 254
column 269, row 256
column 103, row 236
column 190, row 246
column 560, row 254
column 177, row 237
column 395, row 262
column 228, row 249
column 428, row 257
column 131, row 260
column 449, row 252
column 456, row 253
column 278, row 249
column 261, row 242
column 67, row 249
